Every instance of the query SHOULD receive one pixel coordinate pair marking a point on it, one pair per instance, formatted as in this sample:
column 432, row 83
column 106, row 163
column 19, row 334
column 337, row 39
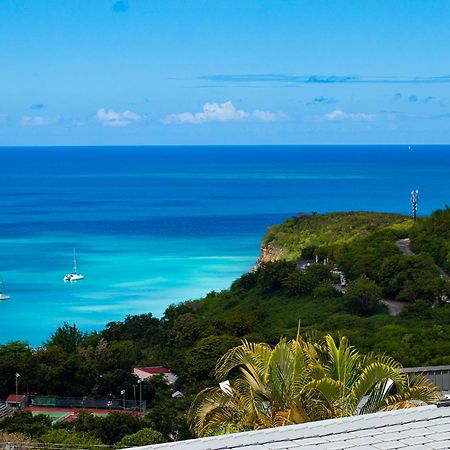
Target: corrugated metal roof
column 13, row 398
column 424, row 369
column 425, row 427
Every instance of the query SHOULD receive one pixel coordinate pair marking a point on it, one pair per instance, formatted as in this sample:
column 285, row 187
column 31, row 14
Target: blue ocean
column 158, row 225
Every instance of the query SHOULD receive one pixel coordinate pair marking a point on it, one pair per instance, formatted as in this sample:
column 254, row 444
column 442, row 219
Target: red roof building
column 146, row 372
column 16, row 401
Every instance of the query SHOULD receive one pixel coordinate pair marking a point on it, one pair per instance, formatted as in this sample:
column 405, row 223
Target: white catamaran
column 74, row 276
column 3, row 296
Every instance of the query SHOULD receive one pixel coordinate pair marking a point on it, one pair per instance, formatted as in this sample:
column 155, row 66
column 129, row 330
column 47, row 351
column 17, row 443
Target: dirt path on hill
column 404, row 246
column 394, row 307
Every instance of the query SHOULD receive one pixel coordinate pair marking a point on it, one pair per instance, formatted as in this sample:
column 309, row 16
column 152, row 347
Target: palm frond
column 376, row 379
column 302, row 380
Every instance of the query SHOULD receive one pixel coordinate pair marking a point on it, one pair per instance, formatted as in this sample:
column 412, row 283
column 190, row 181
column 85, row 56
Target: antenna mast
column 414, row 200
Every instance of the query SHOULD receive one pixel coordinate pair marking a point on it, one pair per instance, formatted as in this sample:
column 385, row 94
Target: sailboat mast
column 2, row 295
column 74, row 262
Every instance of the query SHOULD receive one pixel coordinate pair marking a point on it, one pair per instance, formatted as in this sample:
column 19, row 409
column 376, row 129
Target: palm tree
column 349, row 383
column 265, row 393
column 302, row 380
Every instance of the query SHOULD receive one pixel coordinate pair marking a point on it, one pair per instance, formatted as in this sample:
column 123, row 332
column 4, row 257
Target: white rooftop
column 425, row 427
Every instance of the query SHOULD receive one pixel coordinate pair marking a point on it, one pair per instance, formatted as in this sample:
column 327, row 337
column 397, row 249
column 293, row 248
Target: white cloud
column 113, row 118
column 37, row 121
column 223, row 112
column 339, row 115
column 267, row 116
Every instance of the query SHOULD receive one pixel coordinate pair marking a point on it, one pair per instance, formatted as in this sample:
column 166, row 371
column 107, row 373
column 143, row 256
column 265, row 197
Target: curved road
column 404, row 245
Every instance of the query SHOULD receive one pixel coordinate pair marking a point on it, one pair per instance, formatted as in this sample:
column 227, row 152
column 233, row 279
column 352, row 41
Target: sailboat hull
column 73, row 277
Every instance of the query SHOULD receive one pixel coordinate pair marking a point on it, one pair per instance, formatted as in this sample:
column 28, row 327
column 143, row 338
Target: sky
column 163, row 72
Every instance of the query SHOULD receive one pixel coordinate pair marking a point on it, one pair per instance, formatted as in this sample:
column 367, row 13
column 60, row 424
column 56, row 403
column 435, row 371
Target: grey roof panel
column 422, row 427
column 444, row 436
column 424, row 369
column 439, row 445
column 389, row 445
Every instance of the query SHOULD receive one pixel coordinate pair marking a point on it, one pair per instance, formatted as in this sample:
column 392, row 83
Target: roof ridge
column 316, row 429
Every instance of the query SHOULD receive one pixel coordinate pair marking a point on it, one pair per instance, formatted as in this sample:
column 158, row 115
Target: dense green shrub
column 432, row 235
column 25, row 423
column 76, row 439
column 363, row 296
column 146, row 436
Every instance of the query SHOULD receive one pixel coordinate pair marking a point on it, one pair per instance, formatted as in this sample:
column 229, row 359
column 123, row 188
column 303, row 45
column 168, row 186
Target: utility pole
column 17, row 383
column 134, row 394
column 414, row 200
column 140, row 395
column 123, row 393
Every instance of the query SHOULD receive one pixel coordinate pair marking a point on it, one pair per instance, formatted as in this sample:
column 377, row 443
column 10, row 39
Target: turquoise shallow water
column 158, row 225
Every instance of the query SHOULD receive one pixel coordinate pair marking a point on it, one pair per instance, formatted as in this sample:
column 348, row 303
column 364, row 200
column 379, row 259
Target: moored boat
column 74, row 276
column 3, row 296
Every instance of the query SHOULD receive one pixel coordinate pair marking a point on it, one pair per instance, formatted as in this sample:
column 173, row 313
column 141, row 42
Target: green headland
column 394, row 301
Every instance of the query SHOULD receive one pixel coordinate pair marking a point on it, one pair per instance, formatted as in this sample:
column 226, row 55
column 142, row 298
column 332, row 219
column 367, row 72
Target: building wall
column 441, row 378
column 170, row 377
column 439, row 375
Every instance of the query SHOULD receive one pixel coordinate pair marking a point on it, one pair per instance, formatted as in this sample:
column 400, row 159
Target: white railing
column 5, row 410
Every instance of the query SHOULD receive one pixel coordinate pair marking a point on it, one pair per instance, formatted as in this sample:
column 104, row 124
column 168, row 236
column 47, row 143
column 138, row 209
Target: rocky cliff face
column 269, row 253
column 285, row 241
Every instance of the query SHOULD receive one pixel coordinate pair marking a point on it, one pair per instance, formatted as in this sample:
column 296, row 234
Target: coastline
column 173, row 228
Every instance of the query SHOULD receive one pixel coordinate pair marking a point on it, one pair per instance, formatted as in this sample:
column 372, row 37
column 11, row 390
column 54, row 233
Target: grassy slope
column 325, row 230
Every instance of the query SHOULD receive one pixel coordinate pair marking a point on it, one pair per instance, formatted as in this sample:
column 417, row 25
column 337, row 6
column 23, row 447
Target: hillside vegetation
column 432, row 236
column 287, row 240
column 260, row 306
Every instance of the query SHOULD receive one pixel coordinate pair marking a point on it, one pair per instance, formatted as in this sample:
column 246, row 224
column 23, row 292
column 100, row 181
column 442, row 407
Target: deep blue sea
column 157, row 225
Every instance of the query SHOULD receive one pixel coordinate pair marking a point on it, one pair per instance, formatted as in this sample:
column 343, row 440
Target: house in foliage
column 16, row 401
column 177, row 395
column 303, row 264
column 146, row 372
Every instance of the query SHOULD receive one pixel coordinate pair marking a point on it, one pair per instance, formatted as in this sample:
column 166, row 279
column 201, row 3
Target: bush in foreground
column 146, row 436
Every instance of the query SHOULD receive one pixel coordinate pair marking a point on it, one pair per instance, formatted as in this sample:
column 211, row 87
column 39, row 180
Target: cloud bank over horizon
column 222, row 112
column 340, row 115
column 38, row 121
column 322, row 79
column 111, row 118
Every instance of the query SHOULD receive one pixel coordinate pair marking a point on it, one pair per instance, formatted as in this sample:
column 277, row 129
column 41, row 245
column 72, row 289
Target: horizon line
column 221, row 145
